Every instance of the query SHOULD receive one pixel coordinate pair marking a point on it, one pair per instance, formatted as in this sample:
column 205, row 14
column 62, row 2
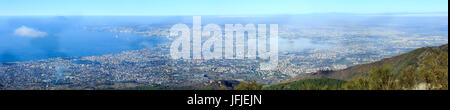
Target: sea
column 67, row 37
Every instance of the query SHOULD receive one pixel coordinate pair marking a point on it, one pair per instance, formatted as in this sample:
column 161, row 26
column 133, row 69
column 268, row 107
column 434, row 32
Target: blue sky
column 214, row 7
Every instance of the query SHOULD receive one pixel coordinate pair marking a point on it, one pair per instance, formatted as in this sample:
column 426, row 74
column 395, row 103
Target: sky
column 214, row 7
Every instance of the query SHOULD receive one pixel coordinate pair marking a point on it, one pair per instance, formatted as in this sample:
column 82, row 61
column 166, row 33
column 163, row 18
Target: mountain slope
column 398, row 63
column 309, row 84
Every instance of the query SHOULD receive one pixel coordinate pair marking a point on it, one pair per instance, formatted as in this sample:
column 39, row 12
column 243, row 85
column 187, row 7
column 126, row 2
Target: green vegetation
column 379, row 78
column 434, row 71
column 431, row 74
column 398, row 64
column 421, row 69
column 249, row 86
column 408, row 78
column 309, row 84
column 148, row 88
column 162, row 88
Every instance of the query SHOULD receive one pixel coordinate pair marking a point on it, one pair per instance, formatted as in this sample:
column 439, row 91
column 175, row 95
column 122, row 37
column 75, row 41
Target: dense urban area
column 333, row 47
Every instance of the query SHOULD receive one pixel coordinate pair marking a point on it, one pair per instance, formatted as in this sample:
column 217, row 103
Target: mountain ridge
column 400, row 62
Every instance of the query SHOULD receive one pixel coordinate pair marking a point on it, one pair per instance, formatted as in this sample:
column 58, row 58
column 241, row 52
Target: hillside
column 211, row 85
column 424, row 69
column 309, row 84
column 398, row 63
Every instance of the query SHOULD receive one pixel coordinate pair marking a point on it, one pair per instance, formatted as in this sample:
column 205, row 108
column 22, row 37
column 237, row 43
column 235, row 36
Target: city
column 334, row 48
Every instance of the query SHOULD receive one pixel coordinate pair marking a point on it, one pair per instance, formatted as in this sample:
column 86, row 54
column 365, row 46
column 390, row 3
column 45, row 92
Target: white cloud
column 28, row 32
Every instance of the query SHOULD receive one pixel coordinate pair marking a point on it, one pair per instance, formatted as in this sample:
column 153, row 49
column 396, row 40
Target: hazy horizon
column 204, row 7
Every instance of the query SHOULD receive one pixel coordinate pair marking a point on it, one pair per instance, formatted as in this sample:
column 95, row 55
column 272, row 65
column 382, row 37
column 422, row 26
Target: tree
column 358, row 83
column 408, row 78
column 222, row 88
column 249, row 86
column 434, row 71
column 381, row 78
